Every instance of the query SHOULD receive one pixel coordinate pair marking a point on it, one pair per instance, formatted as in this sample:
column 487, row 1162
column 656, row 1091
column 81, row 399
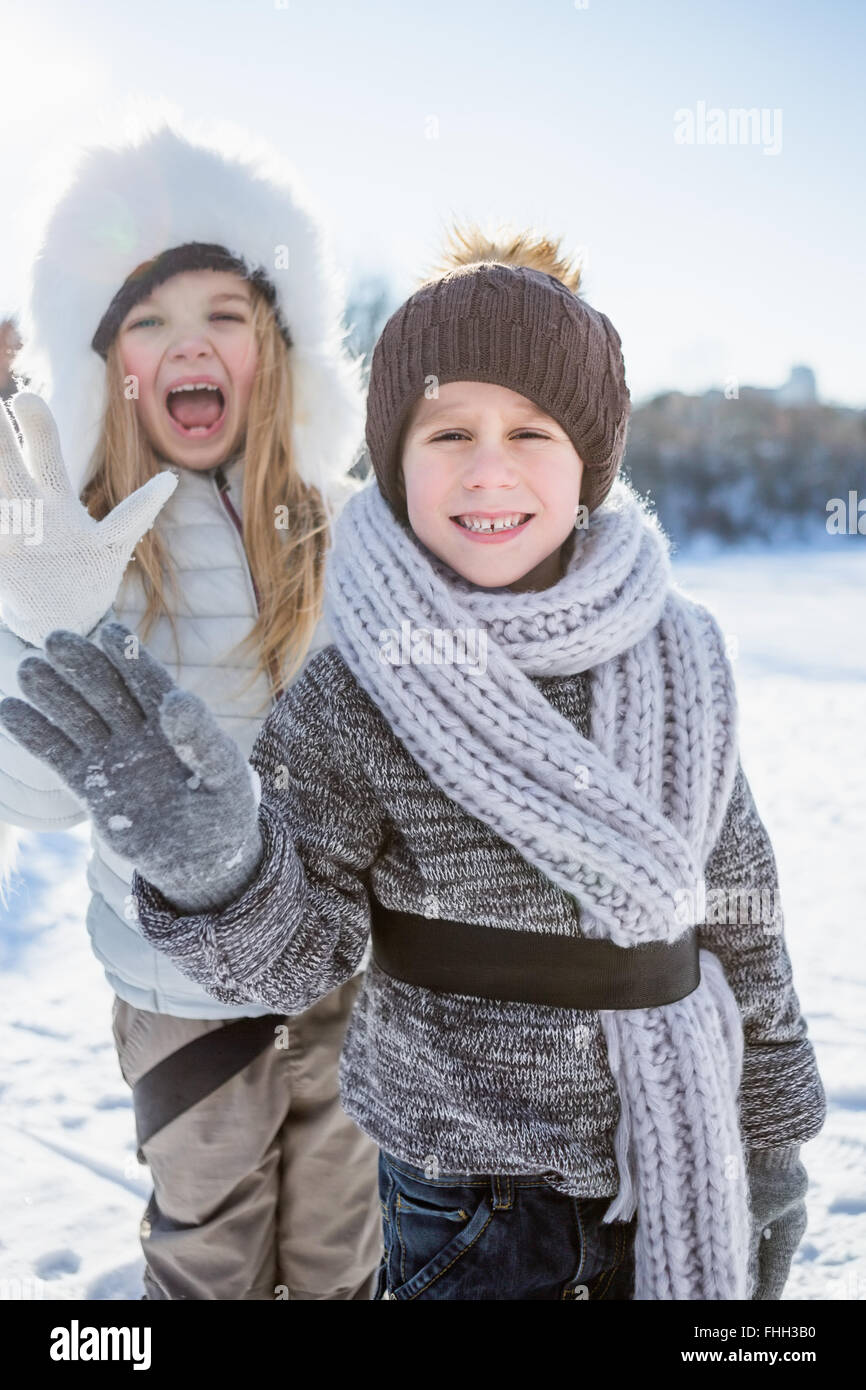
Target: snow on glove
column 778, row 1183
column 69, row 575
column 166, row 788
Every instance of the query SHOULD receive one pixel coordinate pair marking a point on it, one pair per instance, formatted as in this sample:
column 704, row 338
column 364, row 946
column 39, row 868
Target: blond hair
column 287, row 564
column 468, row 244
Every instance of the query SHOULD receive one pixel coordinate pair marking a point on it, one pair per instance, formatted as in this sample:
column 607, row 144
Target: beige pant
column 266, row 1189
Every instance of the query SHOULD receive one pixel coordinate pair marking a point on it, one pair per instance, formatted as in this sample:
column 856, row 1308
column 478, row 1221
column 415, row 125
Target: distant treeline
column 746, row 468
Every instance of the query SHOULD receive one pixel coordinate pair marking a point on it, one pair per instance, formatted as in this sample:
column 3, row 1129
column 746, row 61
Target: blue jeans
column 483, row 1236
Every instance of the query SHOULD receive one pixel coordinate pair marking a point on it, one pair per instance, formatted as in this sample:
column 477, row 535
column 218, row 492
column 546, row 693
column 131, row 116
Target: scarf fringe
column 624, row 1205
column 707, row 1223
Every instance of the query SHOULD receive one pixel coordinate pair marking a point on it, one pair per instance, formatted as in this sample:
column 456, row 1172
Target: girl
column 583, row 1082
column 190, row 323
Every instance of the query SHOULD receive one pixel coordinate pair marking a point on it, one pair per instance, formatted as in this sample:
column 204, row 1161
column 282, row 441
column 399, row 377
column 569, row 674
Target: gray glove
column 778, row 1183
column 166, row 788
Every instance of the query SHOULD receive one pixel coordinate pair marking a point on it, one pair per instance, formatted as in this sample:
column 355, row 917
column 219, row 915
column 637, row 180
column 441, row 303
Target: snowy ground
column 71, row 1192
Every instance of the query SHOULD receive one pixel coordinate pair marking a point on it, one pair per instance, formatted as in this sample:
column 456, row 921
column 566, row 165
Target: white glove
column 60, row 568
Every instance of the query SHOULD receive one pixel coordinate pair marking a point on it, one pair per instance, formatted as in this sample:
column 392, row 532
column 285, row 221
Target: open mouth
column 479, row 526
column 197, row 409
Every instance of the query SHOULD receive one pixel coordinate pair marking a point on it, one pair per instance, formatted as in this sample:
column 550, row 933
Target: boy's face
column 196, row 329
column 483, row 451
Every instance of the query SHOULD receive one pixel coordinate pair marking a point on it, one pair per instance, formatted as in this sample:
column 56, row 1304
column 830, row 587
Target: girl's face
column 482, row 451
column 194, row 332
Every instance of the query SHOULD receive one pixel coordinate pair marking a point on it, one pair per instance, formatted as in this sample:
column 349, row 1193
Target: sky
column 716, row 261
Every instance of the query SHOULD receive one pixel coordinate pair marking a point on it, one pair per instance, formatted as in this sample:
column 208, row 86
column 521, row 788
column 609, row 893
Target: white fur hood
column 126, row 205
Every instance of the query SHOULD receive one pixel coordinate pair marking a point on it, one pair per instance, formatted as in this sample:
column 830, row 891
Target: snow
column 71, row 1191
column 798, row 618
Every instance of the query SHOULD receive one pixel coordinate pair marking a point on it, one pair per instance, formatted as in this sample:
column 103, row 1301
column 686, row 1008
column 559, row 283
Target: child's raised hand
column 59, row 567
column 166, row 788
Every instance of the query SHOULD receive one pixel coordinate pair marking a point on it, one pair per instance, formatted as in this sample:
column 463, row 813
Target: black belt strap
column 195, row 1070
column 453, row 957
column 531, row 967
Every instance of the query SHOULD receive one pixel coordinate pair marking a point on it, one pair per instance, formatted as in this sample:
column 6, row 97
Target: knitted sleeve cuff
column 782, row 1097
column 772, row 1160
column 230, row 945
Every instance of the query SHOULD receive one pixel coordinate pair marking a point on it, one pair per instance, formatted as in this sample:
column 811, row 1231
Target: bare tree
column 371, row 301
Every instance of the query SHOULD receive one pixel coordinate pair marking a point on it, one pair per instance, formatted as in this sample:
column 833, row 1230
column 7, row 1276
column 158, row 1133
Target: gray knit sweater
column 479, row 1085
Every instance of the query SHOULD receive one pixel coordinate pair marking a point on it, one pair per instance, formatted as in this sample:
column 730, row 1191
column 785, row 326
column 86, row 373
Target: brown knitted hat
column 515, row 326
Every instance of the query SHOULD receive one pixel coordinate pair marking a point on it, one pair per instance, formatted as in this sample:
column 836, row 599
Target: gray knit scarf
column 623, row 821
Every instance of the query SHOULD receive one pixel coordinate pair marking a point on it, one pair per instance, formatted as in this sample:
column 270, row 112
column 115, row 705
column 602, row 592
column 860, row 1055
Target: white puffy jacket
column 218, row 609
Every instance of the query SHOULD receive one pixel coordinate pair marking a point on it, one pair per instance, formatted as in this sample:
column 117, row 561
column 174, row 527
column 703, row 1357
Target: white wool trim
column 126, row 204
